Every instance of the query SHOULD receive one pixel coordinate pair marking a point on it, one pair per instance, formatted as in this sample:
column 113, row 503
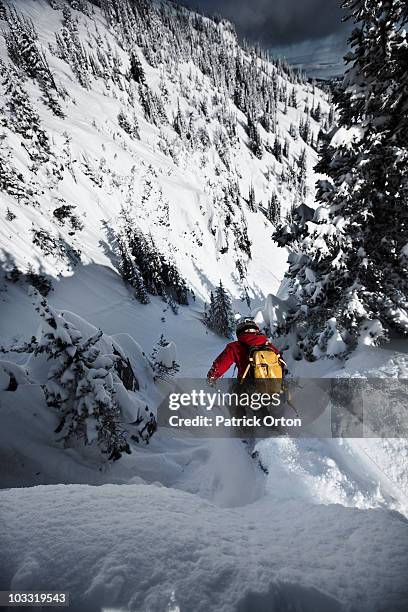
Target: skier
column 249, row 337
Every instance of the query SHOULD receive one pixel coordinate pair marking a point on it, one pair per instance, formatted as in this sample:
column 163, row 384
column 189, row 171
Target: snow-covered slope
column 189, row 195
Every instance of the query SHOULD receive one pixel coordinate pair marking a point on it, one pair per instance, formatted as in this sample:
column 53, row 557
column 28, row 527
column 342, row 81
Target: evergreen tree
column 301, row 162
column 316, row 112
column 12, row 181
column 10, row 216
column 164, row 364
column 148, row 270
column 255, row 140
column 39, row 281
column 136, row 70
column 152, row 106
column 252, row 199
column 277, row 149
column 79, row 5
column 274, row 212
column 222, row 146
column 14, row 275
column 293, row 131
column 3, row 13
column 22, row 117
column 220, row 316
column 64, row 214
column 71, row 49
column 349, row 271
column 305, row 129
column 293, row 98
column 22, row 46
column 129, row 124
column 285, row 150
column 80, row 384
column 179, row 124
column 331, row 116
column 131, row 273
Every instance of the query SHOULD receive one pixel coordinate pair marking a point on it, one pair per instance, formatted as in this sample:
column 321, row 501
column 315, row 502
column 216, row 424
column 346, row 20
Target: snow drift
column 146, row 547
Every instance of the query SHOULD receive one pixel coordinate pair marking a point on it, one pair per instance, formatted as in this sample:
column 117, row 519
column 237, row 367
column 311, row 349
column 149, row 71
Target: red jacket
column 237, row 352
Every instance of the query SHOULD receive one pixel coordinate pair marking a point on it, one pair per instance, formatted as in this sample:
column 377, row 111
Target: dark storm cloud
column 278, row 22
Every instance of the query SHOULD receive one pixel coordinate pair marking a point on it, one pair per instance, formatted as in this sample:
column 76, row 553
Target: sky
column 309, row 33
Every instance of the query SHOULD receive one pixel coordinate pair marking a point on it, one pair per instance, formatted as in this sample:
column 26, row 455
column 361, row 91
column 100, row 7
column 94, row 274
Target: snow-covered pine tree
column 316, row 112
column 305, row 129
column 80, row 5
column 176, row 287
column 65, row 214
column 350, row 269
column 277, row 148
column 12, row 181
column 129, row 124
column 179, row 124
column 254, row 137
column 220, row 316
column 148, row 270
column 293, row 98
column 3, row 12
column 152, row 106
column 130, row 272
column 21, row 116
column 252, row 199
column 71, row 49
column 286, row 148
column 14, row 275
column 301, row 173
column 10, row 216
column 293, row 131
column 136, row 70
column 164, row 360
column 273, row 212
column 21, row 40
column 80, row 384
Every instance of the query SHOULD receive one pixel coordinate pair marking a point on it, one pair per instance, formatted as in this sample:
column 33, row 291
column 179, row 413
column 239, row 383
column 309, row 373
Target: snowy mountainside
column 173, row 150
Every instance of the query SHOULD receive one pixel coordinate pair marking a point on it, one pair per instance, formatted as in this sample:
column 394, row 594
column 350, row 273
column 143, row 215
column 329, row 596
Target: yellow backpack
column 267, row 366
column 264, row 363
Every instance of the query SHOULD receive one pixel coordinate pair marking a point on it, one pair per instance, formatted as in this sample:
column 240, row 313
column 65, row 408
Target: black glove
column 211, row 381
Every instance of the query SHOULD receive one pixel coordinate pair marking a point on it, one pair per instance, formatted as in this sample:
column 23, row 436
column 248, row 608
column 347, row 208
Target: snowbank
column 167, row 355
column 146, row 547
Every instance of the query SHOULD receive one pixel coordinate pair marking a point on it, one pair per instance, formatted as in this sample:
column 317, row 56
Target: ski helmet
column 246, row 324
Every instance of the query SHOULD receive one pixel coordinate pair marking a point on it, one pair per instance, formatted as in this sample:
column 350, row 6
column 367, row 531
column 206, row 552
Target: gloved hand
column 211, row 381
